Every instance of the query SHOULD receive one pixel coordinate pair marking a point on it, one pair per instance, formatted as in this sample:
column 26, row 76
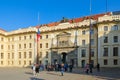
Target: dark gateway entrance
column 64, row 57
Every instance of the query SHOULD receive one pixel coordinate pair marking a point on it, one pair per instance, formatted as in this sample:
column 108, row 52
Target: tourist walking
column 62, row 69
column 34, row 70
column 91, row 66
column 87, row 68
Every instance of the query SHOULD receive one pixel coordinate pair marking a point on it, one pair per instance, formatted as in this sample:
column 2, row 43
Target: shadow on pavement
column 33, row 78
column 53, row 74
column 30, row 73
column 105, row 73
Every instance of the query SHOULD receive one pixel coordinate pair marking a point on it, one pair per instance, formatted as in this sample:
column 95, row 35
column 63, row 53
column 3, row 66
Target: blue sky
column 15, row 14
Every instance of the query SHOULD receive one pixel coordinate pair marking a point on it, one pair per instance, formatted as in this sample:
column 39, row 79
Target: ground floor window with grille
column 105, row 62
column 115, row 62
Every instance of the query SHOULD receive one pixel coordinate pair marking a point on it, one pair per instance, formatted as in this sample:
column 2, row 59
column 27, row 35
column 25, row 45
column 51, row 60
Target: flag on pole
column 38, row 35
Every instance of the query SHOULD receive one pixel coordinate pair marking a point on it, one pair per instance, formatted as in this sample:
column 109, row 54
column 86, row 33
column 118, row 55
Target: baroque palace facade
column 64, row 41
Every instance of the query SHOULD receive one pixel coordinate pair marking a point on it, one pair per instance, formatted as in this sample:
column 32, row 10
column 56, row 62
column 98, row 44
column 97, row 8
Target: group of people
column 56, row 67
column 36, row 68
column 89, row 67
column 62, row 68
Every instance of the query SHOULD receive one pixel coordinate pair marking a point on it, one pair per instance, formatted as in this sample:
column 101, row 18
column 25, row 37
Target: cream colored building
column 65, row 41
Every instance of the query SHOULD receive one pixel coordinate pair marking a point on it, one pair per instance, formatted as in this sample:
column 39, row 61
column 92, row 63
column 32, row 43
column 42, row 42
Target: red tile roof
column 2, row 30
column 53, row 24
column 77, row 20
column 94, row 17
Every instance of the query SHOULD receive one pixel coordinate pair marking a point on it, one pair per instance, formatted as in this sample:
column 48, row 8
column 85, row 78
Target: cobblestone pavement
column 77, row 74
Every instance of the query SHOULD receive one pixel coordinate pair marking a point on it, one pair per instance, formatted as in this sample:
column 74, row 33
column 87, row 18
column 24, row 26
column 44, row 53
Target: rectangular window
column 115, row 27
column 30, row 45
column 2, row 55
column 92, row 41
column 105, row 28
column 83, row 32
column 46, row 45
column 12, row 55
column 19, row 55
column 30, row 36
column 24, row 62
column 30, row 54
column 40, row 37
column 13, row 39
column 40, row 55
column 19, row 62
column 19, row 46
column 92, row 52
column 8, row 47
column 105, row 62
column 40, row 45
column 8, row 39
column 19, row 37
column 46, row 36
column 12, row 46
column 24, row 37
column 92, row 31
column 115, row 38
column 115, row 61
column 1, row 62
column 105, row 39
column 105, row 53
column 83, row 53
column 83, row 42
column 46, row 54
column 8, row 55
column 24, row 45
column 2, row 47
column 2, row 39
column 12, row 62
column 30, row 62
column 25, row 55
column 115, row 51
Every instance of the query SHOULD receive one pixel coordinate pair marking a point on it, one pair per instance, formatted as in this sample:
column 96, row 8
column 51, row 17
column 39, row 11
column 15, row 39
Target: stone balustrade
column 109, row 18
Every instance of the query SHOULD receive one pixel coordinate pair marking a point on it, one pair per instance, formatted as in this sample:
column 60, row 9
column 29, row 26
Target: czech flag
column 38, row 35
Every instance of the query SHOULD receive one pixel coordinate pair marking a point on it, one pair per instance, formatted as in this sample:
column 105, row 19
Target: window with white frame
column 105, row 52
column 92, row 41
column 105, row 62
column 115, row 39
column 105, row 28
column 115, row 51
column 83, row 42
column 105, row 39
column 83, row 53
column 83, row 32
column 92, row 52
column 115, row 27
column 115, row 62
column 92, row 31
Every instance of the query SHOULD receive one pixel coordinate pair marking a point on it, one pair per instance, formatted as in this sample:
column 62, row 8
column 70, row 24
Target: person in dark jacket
column 90, row 67
column 98, row 67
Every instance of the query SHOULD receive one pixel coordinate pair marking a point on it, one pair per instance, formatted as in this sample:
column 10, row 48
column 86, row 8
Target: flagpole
column 90, row 27
column 106, row 6
column 37, row 59
column 38, row 18
column 34, row 49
